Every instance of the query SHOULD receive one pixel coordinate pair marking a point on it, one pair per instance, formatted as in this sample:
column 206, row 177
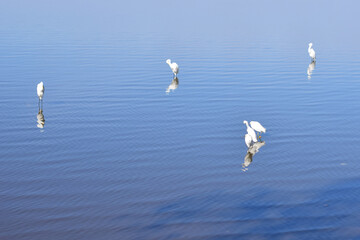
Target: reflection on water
column 173, row 85
column 40, row 119
column 40, row 116
column 138, row 152
column 252, row 150
column 310, row 69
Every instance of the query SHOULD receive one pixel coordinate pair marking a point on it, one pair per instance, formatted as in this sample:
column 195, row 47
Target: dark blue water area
column 120, row 157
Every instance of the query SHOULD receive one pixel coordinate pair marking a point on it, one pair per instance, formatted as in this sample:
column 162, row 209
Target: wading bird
column 311, row 52
column 40, row 91
column 248, row 140
column 174, row 67
column 257, row 127
column 250, row 131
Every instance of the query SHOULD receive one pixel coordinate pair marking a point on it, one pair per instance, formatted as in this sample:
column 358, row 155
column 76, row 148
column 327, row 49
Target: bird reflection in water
column 311, row 69
column 173, row 85
column 252, row 150
column 40, row 119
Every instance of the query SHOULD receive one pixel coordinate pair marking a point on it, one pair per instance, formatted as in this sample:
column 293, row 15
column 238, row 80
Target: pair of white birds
column 251, row 135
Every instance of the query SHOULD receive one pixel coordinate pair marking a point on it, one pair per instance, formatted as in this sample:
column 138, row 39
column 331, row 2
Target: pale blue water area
column 121, row 158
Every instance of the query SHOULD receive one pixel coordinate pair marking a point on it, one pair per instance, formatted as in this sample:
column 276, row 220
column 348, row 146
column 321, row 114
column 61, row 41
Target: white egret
column 173, row 85
column 248, row 140
column 250, row 131
column 174, row 67
column 257, row 127
column 40, row 90
column 311, row 52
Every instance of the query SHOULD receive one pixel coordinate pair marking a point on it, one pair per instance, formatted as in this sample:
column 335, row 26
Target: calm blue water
column 119, row 157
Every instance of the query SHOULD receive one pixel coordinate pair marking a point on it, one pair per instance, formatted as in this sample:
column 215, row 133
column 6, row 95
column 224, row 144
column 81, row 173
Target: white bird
column 250, row 131
column 40, row 90
column 310, row 69
column 311, row 52
column 248, row 140
column 174, row 67
column 257, row 127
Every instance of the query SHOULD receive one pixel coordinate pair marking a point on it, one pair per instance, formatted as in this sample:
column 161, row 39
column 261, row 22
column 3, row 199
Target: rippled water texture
column 123, row 150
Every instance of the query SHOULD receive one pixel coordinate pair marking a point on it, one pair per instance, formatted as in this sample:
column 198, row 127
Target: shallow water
column 122, row 157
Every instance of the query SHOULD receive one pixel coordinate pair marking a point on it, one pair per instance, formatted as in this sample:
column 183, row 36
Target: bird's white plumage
column 174, row 67
column 40, row 90
column 250, row 131
column 311, row 52
column 257, row 127
column 248, row 140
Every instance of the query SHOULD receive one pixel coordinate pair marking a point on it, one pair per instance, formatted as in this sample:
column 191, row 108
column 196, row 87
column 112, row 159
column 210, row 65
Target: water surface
column 121, row 156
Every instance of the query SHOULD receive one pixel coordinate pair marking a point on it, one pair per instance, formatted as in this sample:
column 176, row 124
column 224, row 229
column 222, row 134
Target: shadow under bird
column 174, row 67
column 311, row 52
